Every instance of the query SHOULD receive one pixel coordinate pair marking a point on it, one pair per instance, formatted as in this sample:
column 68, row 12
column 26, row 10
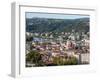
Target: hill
column 57, row 25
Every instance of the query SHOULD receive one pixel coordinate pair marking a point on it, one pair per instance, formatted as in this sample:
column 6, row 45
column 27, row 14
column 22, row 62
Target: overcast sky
column 57, row 16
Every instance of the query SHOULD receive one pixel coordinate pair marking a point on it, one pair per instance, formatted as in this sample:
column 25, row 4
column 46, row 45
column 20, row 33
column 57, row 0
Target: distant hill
column 57, row 25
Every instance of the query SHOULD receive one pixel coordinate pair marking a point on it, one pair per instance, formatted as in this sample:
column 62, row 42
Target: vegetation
column 72, row 61
column 63, row 61
column 35, row 58
column 56, row 25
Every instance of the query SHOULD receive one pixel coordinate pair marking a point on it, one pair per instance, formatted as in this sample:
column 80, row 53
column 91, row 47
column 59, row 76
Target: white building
column 85, row 58
column 72, row 36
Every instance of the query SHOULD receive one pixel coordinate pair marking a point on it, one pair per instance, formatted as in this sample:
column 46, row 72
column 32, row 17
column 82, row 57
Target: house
column 29, row 34
column 85, row 58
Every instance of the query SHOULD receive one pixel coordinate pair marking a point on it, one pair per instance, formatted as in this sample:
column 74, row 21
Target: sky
column 55, row 16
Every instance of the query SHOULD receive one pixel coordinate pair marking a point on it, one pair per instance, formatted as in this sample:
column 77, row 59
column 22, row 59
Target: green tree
column 33, row 57
column 64, row 61
column 71, row 61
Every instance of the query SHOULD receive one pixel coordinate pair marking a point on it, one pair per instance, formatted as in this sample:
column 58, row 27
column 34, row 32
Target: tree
column 71, row 61
column 63, row 61
column 33, row 57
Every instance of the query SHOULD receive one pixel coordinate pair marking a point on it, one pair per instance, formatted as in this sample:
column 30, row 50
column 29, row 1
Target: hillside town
column 62, row 45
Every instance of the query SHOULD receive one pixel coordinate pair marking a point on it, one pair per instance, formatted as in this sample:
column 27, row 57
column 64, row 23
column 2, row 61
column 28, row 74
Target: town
column 57, row 48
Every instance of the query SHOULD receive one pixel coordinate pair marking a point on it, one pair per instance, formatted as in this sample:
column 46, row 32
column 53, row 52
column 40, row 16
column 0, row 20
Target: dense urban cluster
column 57, row 48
